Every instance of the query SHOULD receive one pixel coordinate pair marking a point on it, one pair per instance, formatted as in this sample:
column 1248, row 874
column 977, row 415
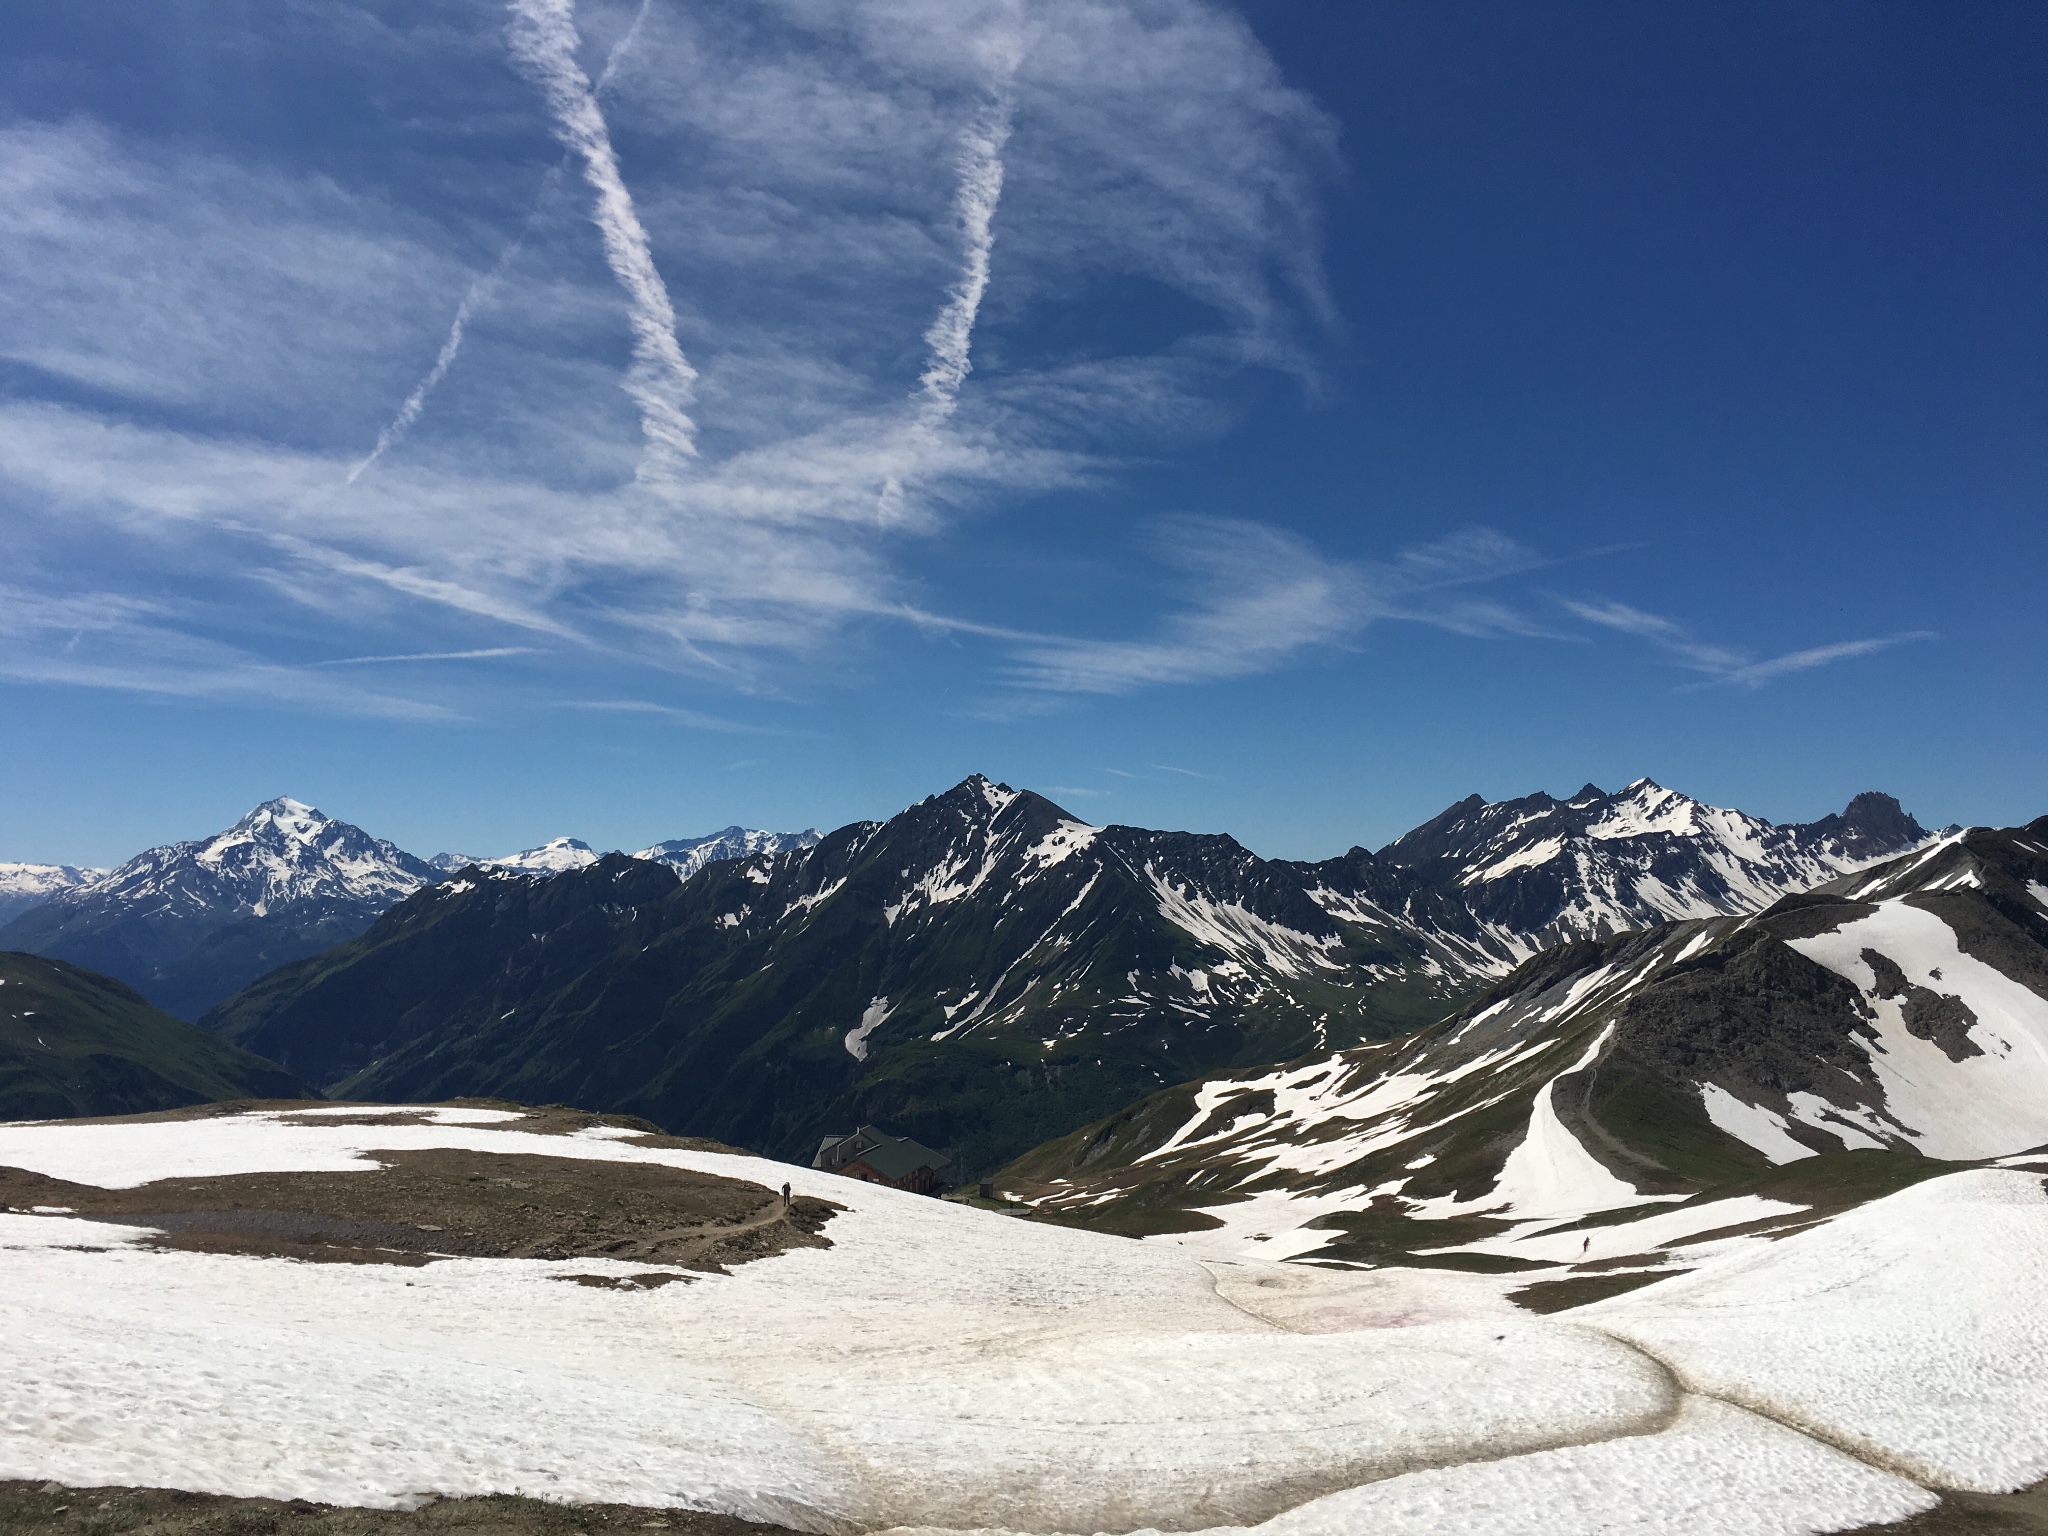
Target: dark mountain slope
column 976, row 972
column 73, row 1042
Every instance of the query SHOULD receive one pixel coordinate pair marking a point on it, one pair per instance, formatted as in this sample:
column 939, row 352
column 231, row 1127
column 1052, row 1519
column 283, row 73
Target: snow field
column 937, row 1365
column 945, row 1367
column 1717, row 1471
column 1910, row 1331
column 371, row 1385
column 1538, row 1241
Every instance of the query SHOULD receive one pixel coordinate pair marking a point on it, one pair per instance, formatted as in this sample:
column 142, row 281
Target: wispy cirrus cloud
column 1257, row 596
column 488, row 653
column 696, row 719
column 126, row 644
column 1727, row 665
column 862, row 213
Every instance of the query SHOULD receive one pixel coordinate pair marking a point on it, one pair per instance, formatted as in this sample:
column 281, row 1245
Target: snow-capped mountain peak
column 188, row 922
column 283, row 852
column 27, row 885
column 687, row 855
column 550, row 858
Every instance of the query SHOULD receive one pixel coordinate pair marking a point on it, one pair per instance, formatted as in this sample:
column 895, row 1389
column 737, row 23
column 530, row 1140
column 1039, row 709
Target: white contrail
column 661, row 381
column 980, row 167
column 409, row 412
column 480, row 288
column 949, row 338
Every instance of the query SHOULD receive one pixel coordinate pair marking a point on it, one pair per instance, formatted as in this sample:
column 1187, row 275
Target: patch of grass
column 1122, row 1220
column 1387, row 1237
column 1637, row 1111
column 1580, row 1290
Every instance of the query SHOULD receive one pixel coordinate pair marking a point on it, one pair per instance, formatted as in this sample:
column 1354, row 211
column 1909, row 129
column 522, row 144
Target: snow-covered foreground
column 944, row 1367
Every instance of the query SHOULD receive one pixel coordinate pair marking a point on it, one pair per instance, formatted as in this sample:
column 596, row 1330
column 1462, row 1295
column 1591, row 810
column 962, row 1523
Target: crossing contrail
column 480, row 287
column 661, row 380
column 949, row 339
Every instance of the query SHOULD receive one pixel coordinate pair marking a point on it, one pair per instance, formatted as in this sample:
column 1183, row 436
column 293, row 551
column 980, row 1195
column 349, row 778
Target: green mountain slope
column 74, row 1042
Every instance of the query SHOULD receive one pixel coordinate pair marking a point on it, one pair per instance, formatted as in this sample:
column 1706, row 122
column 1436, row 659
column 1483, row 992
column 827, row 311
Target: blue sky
column 490, row 421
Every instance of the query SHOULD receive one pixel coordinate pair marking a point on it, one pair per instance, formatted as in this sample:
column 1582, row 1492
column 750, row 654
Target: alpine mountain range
column 188, row 923
column 983, row 970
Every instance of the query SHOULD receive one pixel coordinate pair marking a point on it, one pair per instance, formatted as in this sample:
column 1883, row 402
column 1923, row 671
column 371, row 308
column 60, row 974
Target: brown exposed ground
column 447, row 1202
column 1976, row 1514
column 48, row 1508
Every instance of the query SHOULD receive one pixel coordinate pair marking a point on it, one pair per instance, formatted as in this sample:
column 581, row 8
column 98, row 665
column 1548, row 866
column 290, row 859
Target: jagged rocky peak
column 1600, row 863
column 1873, row 826
column 982, row 807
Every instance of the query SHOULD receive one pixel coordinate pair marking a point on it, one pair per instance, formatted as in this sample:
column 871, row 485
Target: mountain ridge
column 190, row 922
column 186, row 923
column 974, row 970
column 1899, row 1009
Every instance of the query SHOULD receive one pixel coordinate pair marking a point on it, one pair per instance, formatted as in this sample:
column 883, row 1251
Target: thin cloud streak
column 661, row 382
column 480, row 287
column 117, row 643
column 951, row 334
column 690, row 717
column 486, row 654
column 1724, row 665
column 1259, row 596
column 949, row 339
column 416, row 402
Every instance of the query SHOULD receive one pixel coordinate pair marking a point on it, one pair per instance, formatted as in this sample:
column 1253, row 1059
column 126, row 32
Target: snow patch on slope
column 872, row 1018
column 1239, row 932
column 1752, row 1125
column 1985, row 1105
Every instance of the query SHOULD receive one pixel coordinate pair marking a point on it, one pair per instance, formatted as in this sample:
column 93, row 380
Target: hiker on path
column 785, row 1197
